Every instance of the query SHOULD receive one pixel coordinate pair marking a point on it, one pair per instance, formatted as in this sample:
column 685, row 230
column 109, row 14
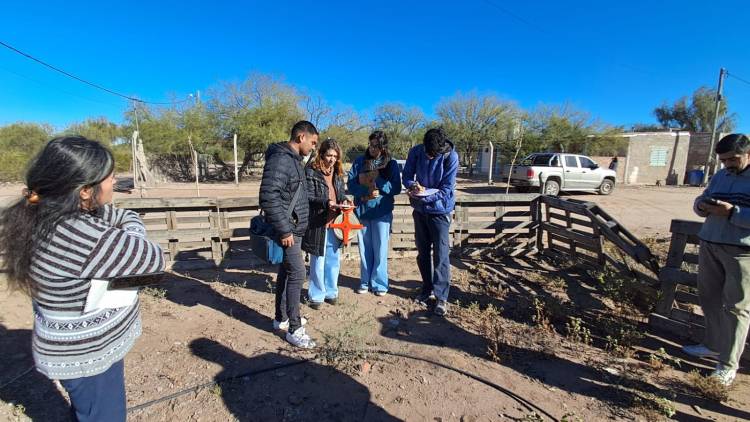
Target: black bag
column 260, row 227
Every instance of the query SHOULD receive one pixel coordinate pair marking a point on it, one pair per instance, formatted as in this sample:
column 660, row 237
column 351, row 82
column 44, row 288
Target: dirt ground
column 208, row 334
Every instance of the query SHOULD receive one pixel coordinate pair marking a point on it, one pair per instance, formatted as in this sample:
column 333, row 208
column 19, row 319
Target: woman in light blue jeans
column 374, row 180
column 325, row 191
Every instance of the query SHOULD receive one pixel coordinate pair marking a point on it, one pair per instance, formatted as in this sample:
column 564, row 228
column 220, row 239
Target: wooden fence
column 678, row 310
column 215, row 230
column 578, row 229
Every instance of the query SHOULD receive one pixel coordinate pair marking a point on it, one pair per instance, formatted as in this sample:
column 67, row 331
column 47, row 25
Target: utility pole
column 134, row 147
column 711, row 154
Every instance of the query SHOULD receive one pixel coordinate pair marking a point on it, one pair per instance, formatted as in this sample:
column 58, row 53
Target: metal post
column 492, row 161
column 133, row 147
column 236, row 175
column 711, row 153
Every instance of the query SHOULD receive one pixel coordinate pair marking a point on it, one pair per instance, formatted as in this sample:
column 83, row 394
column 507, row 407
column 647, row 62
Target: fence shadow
column 306, row 392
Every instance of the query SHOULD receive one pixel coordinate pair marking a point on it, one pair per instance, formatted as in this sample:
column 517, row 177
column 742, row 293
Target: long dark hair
column 53, row 183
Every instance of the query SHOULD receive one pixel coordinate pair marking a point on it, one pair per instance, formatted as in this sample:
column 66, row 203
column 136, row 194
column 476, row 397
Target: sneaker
column 285, row 324
column 725, row 376
column 422, row 299
column 332, row 301
column 441, row 308
column 699, row 351
column 299, row 338
column 315, row 305
column 362, row 290
column 379, row 293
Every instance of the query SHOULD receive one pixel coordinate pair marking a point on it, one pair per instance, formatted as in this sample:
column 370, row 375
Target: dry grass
column 708, row 387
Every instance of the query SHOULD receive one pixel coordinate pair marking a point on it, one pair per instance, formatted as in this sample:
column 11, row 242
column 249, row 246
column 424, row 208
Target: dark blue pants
column 433, row 247
column 100, row 397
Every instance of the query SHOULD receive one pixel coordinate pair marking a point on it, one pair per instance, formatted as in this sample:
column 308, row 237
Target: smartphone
column 711, row 201
column 139, row 280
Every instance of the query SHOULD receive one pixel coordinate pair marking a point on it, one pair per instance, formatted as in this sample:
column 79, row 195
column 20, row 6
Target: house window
column 658, row 157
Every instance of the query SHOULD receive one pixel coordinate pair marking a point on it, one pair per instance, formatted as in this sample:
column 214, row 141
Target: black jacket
column 282, row 174
column 317, row 192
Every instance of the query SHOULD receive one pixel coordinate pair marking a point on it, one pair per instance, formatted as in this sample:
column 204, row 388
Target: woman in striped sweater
column 62, row 234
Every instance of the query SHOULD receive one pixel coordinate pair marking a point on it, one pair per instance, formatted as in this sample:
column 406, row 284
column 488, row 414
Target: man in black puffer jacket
column 283, row 174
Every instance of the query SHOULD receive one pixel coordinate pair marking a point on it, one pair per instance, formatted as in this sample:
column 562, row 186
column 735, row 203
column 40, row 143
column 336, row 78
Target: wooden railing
column 678, row 310
column 578, row 230
column 209, row 228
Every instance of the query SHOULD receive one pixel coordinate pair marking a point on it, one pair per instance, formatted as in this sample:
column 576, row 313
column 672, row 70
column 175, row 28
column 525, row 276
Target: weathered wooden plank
column 569, row 234
column 163, row 203
column 676, row 275
column 573, row 220
column 690, row 258
column 685, row 297
column 676, row 250
column 685, row 227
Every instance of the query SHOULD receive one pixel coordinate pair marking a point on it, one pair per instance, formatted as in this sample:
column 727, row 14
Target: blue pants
column 373, row 253
column 431, row 232
column 324, row 270
column 100, row 397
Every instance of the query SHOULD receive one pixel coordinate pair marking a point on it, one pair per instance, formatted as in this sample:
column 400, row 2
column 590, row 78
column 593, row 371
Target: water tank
column 695, row 177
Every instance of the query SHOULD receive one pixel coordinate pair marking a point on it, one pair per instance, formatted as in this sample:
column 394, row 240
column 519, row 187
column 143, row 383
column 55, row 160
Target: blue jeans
column 373, row 253
column 324, row 270
column 432, row 235
column 99, row 397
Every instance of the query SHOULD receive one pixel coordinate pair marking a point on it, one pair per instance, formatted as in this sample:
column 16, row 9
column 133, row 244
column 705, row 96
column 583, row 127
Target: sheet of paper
column 101, row 297
column 427, row 192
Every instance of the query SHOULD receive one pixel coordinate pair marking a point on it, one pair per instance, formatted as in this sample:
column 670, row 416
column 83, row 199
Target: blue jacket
column 437, row 173
column 735, row 189
column 388, row 183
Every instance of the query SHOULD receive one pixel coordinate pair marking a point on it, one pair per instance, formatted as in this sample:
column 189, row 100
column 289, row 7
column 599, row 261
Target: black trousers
column 289, row 282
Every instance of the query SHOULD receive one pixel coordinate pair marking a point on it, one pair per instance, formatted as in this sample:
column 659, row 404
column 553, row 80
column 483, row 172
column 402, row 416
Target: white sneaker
column 284, row 325
column 300, row 339
column 362, row 290
column 725, row 376
column 700, row 351
column 380, row 293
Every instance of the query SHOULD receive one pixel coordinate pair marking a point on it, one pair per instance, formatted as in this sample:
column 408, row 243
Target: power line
column 738, row 78
column 97, row 86
column 56, row 88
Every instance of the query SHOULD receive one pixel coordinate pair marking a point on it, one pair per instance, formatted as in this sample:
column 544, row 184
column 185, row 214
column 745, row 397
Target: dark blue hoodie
column 437, row 173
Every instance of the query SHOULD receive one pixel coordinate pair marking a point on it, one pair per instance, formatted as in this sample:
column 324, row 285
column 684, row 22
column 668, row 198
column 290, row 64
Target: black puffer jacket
column 282, row 174
column 317, row 192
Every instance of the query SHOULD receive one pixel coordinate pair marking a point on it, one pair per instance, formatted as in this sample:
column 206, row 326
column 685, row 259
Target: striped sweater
column 68, row 343
column 735, row 189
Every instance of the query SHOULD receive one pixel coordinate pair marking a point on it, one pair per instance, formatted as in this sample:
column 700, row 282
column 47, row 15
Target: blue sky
column 616, row 60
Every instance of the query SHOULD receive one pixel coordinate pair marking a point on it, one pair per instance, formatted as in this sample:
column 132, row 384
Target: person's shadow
column 301, row 392
column 188, row 291
column 31, row 393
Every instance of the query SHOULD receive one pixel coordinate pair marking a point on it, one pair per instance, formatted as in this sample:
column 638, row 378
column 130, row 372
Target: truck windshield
column 541, row 160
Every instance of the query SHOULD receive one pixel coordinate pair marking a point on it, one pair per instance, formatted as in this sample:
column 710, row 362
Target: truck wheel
column 606, row 187
column 552, row 188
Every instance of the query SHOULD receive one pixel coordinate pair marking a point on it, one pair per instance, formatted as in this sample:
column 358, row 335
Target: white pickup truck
column 558, row 172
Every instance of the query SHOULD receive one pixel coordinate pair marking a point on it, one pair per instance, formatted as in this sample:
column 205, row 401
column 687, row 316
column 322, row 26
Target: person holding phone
column 374, row 180
column 325, row 191
column 724, row 259
column 57, row 241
